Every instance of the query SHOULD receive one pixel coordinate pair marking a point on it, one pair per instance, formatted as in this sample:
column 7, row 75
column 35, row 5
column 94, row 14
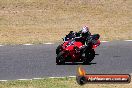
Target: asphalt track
column 35, row 61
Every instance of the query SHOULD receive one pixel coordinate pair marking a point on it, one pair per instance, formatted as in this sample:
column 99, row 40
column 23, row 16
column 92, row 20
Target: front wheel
column 60, row 58
column 59, row 49
column 89, row 56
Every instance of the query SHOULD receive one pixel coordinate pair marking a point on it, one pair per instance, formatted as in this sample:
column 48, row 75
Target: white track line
column 49, row 43
column 128, row 40
column 56, row 77
column 53, row 43
column 37, row 78
column 27, row 44
column 3, row 80
column 24, row 79
column 104, row 41
column 71, row 76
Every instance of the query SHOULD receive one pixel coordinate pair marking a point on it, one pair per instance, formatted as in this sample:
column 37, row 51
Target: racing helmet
column 84, row 31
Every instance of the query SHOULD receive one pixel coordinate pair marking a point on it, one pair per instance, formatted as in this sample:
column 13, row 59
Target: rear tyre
column 60, row 58
column 59, row 49
column 89, row 56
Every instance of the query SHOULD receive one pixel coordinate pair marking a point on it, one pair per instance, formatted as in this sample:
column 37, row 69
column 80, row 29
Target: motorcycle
column 73, row 50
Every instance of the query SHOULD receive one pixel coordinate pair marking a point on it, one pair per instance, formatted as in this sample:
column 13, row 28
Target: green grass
column 57, row 83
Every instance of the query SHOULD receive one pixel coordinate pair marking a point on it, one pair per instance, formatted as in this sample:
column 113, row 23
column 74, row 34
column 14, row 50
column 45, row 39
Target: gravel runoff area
column 42, row 21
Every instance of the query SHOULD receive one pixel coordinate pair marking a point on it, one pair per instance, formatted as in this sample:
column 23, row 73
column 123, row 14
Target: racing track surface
column 25, row 62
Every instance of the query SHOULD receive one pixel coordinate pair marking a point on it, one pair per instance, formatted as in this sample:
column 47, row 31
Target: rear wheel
column 60, row 58
column 89, row 56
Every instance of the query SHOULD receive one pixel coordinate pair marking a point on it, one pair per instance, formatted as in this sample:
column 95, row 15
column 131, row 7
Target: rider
column 83, row 34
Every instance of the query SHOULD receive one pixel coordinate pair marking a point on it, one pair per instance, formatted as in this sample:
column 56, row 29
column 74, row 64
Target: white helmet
column 85, row 29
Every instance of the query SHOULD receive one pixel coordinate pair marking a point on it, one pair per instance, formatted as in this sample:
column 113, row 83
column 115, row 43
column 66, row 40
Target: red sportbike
column 74, row 50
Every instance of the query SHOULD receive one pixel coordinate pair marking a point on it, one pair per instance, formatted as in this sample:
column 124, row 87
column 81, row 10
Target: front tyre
column 59, row 49
column 60, row 58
